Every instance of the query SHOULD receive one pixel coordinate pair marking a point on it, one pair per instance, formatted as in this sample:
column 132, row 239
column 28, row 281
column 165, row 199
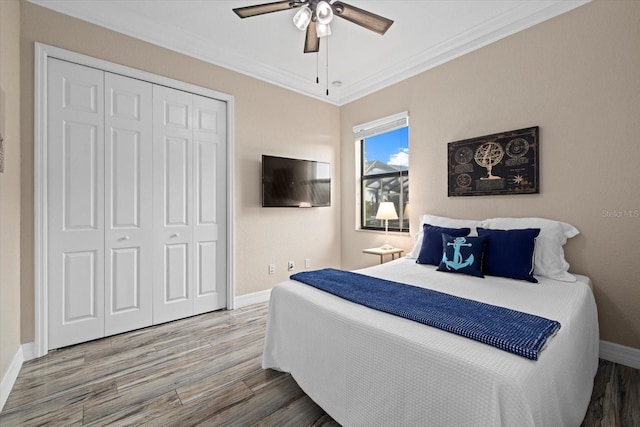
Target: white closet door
column 209, row 136
column 173, row 290
column 128, row 204
column 75, row 182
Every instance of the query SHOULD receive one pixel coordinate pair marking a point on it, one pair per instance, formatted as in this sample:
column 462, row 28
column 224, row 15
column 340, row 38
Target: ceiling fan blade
column 311, row 40
column 365, row 19
column 261, row 9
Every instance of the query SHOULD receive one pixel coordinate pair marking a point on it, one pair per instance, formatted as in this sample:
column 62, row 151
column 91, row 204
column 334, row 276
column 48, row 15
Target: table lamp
column 386, row 211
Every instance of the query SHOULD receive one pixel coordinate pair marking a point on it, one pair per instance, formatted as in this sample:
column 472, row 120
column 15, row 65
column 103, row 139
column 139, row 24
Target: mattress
column 369, row 368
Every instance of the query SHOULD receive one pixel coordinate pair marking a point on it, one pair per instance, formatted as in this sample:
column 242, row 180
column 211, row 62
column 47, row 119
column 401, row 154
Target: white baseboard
column 9, row 378
column 29, row 351
column 254, row 298
column 621, row 354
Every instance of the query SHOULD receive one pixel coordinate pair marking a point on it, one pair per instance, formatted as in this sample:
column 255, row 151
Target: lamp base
column 386, row 247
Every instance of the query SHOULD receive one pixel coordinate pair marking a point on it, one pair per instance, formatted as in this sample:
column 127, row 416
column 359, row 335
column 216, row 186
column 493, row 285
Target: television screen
column 295, row 183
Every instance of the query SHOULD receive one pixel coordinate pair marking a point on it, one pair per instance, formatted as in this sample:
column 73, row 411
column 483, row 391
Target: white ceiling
column 425, row 33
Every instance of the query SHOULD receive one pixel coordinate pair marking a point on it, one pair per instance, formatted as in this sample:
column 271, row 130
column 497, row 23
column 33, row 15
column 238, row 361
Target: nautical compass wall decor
column 502, row 163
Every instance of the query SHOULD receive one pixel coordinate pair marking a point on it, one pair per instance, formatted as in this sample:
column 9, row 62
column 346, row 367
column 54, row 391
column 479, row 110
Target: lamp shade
column 386, row 210
column 323, row 30
column 302, row 18
column 324, row 13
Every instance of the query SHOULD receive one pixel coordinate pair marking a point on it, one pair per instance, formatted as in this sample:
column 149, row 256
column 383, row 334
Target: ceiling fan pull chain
column 327, row 66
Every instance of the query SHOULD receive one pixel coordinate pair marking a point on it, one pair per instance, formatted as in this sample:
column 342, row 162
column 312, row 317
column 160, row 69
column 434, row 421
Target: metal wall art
column 502, row 163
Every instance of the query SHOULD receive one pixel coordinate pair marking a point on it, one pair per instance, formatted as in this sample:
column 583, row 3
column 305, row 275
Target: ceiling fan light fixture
column 323, row 30
column 302, row 18
column 314, row 16
column 324, row 13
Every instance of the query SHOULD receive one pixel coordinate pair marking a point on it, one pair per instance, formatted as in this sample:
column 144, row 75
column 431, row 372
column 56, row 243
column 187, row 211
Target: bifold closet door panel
column 128, row 204
column 210, row 244
column 75, row 204
column 136, row 203
column 173, row 285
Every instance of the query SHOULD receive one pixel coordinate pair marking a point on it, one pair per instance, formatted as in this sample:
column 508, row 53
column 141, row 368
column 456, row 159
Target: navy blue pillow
column 462, row 255
column 431, row 249
column 509, row 253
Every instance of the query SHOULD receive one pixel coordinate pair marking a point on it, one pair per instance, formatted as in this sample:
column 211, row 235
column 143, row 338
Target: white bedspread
column 368, row 368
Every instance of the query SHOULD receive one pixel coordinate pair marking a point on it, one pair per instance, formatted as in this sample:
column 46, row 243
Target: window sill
column 394, row 233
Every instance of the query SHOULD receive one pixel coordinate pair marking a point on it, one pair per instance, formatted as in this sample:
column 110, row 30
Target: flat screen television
column 295, row 182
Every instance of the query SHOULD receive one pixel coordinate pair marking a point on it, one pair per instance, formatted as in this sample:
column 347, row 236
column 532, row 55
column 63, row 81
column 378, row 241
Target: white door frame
column 42, row 53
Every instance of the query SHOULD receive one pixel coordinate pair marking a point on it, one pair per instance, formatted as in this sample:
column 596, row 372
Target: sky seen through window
column 391, row 148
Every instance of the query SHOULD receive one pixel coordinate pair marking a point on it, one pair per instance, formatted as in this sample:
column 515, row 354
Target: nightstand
column 382, row 252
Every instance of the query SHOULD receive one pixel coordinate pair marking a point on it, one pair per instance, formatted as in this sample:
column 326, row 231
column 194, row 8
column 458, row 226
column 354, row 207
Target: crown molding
column 520, row 18
column 173, row 38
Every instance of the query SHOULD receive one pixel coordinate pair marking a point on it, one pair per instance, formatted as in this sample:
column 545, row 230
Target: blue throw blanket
column 510, row 330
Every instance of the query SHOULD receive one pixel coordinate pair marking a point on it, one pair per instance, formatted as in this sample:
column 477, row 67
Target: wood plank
column 158, row 407
column 203, row 389
column 264, row 403
column 629, row 381
column 301, row 412
column 594, row 412
column 201, row 411
column 44, row 414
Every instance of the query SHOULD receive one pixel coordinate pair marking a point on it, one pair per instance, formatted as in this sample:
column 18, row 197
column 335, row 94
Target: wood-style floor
column 206, row 370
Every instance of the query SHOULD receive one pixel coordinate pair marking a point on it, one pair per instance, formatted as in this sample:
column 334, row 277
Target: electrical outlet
column 290, row 266
column 272, row 268
column 307, row 263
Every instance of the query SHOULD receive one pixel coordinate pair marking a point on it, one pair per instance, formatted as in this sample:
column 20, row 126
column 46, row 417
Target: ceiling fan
column 314, row 16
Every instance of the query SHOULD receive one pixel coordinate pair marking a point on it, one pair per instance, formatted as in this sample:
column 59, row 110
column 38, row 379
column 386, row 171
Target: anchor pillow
column 462, row 255
column 431, row 250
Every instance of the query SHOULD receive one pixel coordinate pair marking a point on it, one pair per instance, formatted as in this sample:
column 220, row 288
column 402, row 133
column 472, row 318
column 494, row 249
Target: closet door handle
column 175, row 235
column 124, row 238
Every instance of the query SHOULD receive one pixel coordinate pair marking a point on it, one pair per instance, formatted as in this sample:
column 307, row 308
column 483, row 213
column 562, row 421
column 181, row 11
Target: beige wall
column 577, row 77
column 10, row 183
column 267, row 121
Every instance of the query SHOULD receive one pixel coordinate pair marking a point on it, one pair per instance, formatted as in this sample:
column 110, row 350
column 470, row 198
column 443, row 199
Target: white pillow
column 441, row 221
column 549, row 252
column 417, row 244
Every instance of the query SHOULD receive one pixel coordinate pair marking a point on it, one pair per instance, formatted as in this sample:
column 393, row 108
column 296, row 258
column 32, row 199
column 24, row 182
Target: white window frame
column 366, row 130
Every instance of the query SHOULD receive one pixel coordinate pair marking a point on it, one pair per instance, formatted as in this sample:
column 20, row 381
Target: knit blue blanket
column 509, row 330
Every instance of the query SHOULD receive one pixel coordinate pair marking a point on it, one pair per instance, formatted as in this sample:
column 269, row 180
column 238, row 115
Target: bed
column 368, row 368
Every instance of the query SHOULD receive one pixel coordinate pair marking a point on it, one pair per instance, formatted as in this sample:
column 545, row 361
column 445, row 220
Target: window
column 383, row 164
